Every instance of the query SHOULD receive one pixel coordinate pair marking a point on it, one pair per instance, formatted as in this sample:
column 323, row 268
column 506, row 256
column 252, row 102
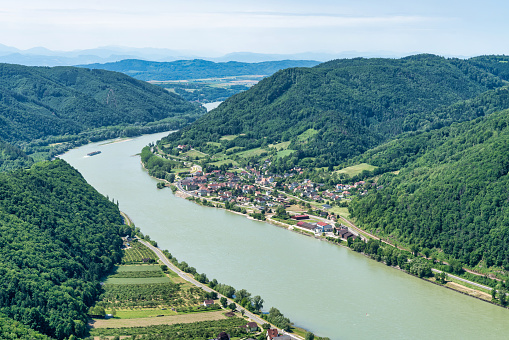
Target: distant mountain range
column 40, row 56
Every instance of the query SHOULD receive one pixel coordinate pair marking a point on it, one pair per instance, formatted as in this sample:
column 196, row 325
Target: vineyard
column 197, row 330
column 138, row 253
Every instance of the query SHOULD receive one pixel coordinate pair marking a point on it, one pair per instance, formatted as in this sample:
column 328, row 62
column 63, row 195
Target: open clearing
column 356, row 169
column 139, row 268
column 163, row 320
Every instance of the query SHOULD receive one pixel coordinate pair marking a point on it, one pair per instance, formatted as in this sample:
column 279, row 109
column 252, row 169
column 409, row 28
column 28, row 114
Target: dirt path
column 162, row 320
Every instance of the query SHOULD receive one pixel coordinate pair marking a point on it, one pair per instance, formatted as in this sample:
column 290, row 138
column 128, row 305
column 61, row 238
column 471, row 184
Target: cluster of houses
column 322, row 227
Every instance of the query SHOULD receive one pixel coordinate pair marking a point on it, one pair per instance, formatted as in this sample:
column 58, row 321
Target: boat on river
column 93, row 153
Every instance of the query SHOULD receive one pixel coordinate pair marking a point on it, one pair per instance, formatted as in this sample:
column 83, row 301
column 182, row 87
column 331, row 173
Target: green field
column 306, row 135
column 142, row 313
column 137, row 253
column 284, row 153
column 341, row 211
column 225, row 161
column 280, row 146
column 139, row 268
column 136, row 280
column 251, row 153
column 216, row 144
column 356, row 169
column 194, row 154
column 228, row 137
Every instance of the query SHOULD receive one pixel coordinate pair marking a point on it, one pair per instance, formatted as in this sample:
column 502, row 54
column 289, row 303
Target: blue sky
column 462, row 28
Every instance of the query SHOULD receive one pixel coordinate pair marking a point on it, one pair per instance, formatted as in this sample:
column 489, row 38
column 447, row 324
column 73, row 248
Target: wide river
column 326, row 289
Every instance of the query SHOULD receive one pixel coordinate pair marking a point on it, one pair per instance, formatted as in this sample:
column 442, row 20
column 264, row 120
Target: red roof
column 272, row 333
column 322, row 224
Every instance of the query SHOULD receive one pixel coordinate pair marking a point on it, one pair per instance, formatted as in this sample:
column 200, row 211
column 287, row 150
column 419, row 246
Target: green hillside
column 196, row 69
column 451, row 195
column 37, row 102
column 12, row 157
column 351, row 105
column 58, row 237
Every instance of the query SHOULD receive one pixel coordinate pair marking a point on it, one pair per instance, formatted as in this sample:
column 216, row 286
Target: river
column 326, row 289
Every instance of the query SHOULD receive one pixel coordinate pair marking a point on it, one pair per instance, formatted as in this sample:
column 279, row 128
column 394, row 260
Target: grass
column 139, row 268
column 179, row 170
column 216, row 144
column 306, row 135
column 225, row 161
column 164, row 320
column 235, row 149
column 141, row 313
column 341, row 211
column 195, row 153
column 251, row 153
column 228, row 137
column 284, row 153
column 356, row 169
column 136, row 280
column 280, row 146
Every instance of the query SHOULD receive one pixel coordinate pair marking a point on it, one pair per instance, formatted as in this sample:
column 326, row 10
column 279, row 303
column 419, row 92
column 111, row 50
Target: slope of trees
column 12, row 157
column 451, row 193
column 349, row 106
column 196, row 69
column 36, row 102
column 58, row 237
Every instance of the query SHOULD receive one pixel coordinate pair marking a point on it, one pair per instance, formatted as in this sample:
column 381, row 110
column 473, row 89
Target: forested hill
column 451, row 194
column 340, row 108
column 58, row 237
column 36, row 102
column 196, row 69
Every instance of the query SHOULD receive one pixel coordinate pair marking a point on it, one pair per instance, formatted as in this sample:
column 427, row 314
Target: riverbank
column 454, row 286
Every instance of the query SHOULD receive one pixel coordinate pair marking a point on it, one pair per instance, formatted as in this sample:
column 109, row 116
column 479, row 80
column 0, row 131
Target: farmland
column 136, row 253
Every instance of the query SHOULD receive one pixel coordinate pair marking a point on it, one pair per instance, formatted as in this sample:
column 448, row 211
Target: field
column 280, row 146
column 194, row 154
column 225, row 161
column 284, row 153
column 137, row 253
column 138, row 280
column 307, row 134
column 356, row 169
column 342, row 211
column 158, row 317
column 177, row 327
column 228, row 137
column 251, row 152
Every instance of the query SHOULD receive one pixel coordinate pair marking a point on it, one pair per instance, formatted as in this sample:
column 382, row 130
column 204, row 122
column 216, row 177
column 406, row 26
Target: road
column 191, row 280
column 463, row 280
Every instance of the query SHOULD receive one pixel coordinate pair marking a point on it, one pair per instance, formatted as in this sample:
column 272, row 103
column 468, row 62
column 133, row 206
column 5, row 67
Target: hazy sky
column 268, row 26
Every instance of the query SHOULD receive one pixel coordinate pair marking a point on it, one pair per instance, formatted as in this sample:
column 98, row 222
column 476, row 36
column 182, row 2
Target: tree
column 309, row 336
column 232, row 306
column 257, row 302
column 223, row 301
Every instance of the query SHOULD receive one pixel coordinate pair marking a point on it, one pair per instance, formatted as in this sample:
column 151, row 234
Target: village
column 300, row 205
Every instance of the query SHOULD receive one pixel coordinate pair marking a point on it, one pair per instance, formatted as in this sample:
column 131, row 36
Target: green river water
column 326, row 289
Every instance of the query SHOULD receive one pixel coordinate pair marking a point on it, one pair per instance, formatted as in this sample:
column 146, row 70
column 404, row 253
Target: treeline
column 450, row 195
column 340, row 109
column 58, row 237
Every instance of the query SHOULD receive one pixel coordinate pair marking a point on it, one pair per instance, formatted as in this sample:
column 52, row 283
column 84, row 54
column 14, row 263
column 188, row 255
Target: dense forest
column 58, row 237
column 196, row 69
column 37, row 102
column 451, row 193
column 12, row 157
column 341, row 108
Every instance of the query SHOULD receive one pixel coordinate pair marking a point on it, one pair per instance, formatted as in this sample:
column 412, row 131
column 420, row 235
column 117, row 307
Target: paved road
column 463, row 280
column 188, row 278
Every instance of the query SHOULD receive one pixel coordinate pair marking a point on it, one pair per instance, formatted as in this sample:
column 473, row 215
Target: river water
column 326, row 289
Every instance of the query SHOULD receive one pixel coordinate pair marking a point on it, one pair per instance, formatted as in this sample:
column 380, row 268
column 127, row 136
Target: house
column 326, row 228
column 207, row 303
column 251, row 326
column 272, row 333
column 306, row 225
column 300, row 217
